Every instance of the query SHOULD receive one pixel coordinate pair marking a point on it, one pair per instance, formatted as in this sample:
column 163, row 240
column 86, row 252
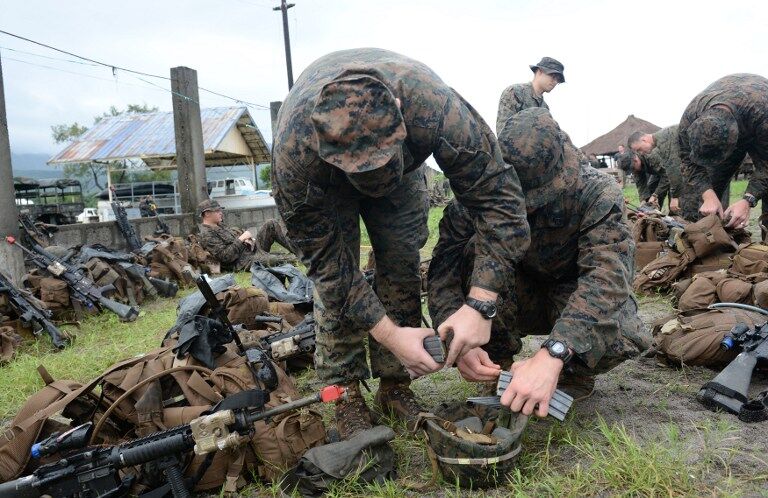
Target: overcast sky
column 647, row 58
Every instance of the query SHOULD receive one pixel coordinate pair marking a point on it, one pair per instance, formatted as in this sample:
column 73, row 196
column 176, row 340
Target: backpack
column 662, row 272
column 751, row 258
column 707, row 236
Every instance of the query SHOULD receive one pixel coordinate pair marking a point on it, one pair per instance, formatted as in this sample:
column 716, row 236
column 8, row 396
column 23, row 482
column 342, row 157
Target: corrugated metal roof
column 151, row 137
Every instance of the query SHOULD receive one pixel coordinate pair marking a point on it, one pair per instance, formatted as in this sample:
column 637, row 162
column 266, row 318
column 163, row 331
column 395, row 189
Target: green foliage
column 265, row 176
column 93, row 173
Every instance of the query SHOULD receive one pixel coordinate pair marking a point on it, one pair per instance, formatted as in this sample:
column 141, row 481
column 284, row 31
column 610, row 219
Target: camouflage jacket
column 581, row 236
column 665, row 158
column 514, row 99
column 223, row 244
column 746, row 95
column 438, row 122
column 650, row 179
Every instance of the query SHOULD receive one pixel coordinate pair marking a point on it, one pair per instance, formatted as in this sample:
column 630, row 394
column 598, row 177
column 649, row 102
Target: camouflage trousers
column 531, row 307
column 272, row 231
column 397, row 227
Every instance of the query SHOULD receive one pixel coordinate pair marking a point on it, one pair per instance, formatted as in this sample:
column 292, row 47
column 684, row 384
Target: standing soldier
column 663, row 152
column 723, row 123
column 546, row 75
column 349, row 142
column 574, row 282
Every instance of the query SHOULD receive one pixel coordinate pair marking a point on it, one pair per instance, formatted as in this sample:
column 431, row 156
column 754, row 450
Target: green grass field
column 585, row 456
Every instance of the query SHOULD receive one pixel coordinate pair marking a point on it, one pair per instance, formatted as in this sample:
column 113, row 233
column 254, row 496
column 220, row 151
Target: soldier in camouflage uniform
column 661, row 150
column 546, row 75
column 233, row 248
column 350, row 141
column 273, row 231
column 649, row 181
column 574, row 282
column 723, row 123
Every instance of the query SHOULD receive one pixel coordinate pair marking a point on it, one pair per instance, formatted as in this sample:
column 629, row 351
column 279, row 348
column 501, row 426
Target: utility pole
column 190, row 154
column 286, row 37
column 11, row 258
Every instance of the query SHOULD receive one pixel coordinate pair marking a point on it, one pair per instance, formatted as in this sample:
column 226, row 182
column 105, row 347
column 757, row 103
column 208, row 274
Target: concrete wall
column 108, row 234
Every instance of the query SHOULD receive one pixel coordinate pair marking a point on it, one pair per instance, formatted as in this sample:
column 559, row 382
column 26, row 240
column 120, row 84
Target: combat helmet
column 469, row 447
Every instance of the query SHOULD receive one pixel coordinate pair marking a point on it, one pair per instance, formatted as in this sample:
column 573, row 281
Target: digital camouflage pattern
column 665, row 157
column 272, row 231
column 322, row 208
column 225, row 247
column 573, row 283
column 746, row 97
column 514, row 99
column 646, row 180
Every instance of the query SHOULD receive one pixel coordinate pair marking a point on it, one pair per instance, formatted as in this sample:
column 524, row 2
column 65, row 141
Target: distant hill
column 33, row 166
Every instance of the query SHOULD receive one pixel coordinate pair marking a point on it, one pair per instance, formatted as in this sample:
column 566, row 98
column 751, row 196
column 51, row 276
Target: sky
column 647, row 58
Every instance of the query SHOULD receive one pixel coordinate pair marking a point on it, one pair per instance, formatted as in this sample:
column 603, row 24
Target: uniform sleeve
column 224, row 246
column 693, row 174
column 641, row 182
column 662, row 189
column 589, row 322
column 467, row 151
column 758, row 182
column 314, row 227
column 509, row 105
column 445, row 290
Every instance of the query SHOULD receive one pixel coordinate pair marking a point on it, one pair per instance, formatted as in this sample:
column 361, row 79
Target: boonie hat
column 550, row 66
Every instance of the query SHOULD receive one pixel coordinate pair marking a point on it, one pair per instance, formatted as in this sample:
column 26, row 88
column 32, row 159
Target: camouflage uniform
column 272, row 231
column 321, row 202
column 666, row 156
column 514, row 99
column 712, row 147
column 225, row 247
column 574, row 281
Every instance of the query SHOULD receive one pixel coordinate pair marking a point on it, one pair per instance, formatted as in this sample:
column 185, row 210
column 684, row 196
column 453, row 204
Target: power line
column 115, row 68
column 47, row 57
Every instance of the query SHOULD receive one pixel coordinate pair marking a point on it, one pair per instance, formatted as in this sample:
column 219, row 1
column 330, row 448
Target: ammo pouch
column 751, row 258
column 54, row 293
column 366, row 458
column 707, row 236
column 693, row 338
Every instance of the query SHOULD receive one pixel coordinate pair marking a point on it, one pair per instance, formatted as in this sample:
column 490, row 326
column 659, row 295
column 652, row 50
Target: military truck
column 56, row 201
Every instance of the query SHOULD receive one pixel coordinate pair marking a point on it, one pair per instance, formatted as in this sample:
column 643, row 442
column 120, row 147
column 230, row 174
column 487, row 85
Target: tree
column 93, row 173
column 265, row 176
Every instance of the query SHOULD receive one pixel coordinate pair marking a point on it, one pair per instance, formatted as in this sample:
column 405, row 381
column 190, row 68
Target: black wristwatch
column 485, row 308
column 558, row 349
column 751, row 199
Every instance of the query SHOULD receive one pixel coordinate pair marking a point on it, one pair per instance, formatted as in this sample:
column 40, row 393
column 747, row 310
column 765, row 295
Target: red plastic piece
column 331, row 393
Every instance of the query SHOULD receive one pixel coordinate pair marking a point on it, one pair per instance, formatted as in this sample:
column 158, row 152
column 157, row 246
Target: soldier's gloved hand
column 534, row 380
column 476, row 366
column 711, row 204
column 470, row 330
column 407, row 344
column 738, row 213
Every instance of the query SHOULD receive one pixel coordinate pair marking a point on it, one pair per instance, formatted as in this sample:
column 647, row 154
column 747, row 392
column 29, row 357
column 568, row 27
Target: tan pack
column 645, row 252
column 662, row 272
column 707, row 236
column 701, row 291
column 649, row 229
column 712, row 262
column 751, row 258
column 243, row 304
column 54, row 293
column 734, row 290
column 693, row 338
column 9, row 342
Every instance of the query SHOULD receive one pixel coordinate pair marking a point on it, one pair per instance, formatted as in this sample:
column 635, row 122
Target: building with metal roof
column 230, row 136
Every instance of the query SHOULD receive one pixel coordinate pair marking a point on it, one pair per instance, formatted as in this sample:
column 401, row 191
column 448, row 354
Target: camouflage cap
column 532, row 142
column 625, row 160
column 713, row 137
column 550, row 66
column 208, row 205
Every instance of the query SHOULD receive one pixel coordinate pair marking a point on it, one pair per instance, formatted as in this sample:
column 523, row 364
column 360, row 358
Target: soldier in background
column 652, row 183
column 718, row 128
column 350, row 141
column 547, row 74
column 661, row 150
column 574, row 282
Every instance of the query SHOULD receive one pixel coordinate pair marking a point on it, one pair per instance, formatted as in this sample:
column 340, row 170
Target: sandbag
column 693, row 338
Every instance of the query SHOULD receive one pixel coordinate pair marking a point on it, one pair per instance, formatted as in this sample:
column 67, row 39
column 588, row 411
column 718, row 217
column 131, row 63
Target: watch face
column 491, row 311
column 557, row 347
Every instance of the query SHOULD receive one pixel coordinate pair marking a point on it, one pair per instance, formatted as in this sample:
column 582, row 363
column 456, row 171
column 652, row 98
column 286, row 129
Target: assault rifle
column 29, row 314
column 297, row 341
column 728, row 391
column 155, row 286
column 126, row 229
column 96, row 472
column 669, row 221
column 82, row 288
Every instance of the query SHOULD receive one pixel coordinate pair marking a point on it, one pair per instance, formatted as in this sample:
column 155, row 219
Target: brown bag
column 712, row 262
column 54, row 293
column 707, row 236
column 243, row 304
column 645, row 252
column 751, row 258
column 700, row 293
column 649, row 229
column 694, row 339
column 760, row 294
column 662, row 272
column 734, row 290
column 9, row 341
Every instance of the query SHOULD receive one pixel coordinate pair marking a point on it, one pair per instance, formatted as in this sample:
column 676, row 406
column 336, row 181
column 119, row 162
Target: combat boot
column 578, row 386
column 352, row 415
column 396, row 399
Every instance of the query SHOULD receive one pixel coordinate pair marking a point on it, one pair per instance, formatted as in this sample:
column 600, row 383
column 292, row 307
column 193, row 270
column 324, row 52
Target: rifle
column 729, row 389
column 96, row 471
column 254, row 358
column 669, row 221
column 83, row 289
column 35, row 233
column 126, row 229
column 154, row 286
column 297, row 341
column 39, row 319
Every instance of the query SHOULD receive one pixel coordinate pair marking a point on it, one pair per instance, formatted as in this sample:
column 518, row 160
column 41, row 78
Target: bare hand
column 653, row 201
column 738, row 212
column 407, row 344
column 245, row 236
column 470, row 330
column 534, row 380
column 711, row 204
column 674, row 205
column 476, row 366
